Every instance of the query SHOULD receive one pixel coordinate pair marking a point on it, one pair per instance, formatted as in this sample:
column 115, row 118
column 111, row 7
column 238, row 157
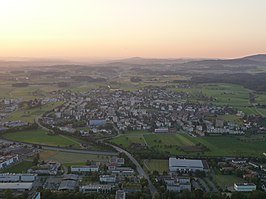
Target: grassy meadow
column 183, row 144
column 40, row 136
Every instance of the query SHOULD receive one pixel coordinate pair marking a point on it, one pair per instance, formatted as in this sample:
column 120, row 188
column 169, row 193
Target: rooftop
column 185, row 162
column 24, row 185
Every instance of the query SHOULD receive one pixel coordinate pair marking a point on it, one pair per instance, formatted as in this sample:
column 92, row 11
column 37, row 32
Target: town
column 103, row 114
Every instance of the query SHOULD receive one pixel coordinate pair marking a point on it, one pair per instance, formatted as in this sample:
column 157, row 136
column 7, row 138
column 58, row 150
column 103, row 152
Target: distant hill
column 150, row 61
column 254, row 60
column 257, row 58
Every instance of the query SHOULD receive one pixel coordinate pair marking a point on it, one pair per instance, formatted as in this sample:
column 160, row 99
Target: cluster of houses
column 109, row 176
column 152, row 108
column 249, row 170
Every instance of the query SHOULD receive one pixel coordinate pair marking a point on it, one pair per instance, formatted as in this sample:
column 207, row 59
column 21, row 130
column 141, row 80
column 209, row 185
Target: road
column 140, row 170
column 55, row 148
column 40, row 125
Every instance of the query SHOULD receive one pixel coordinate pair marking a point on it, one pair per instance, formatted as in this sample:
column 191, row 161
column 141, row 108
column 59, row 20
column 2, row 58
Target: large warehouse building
column 187, row 165
column 22, row 186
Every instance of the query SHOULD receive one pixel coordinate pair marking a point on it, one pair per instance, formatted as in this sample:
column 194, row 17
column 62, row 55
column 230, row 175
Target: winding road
column 140, row 170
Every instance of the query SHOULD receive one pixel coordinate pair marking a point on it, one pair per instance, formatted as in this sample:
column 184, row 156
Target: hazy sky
column 125, row 28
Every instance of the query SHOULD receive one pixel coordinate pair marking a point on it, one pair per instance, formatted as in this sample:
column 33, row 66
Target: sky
column 129, row 28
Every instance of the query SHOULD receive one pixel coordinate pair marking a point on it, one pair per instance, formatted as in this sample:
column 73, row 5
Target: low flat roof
column 245, row 184
column 24, row 185
column 173, row 162
column 68, row 185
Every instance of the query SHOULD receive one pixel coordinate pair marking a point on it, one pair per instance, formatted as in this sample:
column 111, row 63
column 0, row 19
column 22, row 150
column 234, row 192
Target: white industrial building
column 107, row 178
column 244, row 187
column 83, row 169
column 12, row 177
column 5, row 161
column 100, row 188
column 186, row 165
column 178, row 184
column 123, row 171
column 16, row 186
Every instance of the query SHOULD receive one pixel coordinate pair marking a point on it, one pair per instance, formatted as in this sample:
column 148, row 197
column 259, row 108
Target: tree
column 8, row 194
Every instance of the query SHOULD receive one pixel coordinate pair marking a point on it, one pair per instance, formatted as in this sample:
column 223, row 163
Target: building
column 68, row 185
column 187, row 165
column 97, row 122
column 49, row 168
column 100, row 188
column 124, row 171
column 178, row 184
column 120, row 194
column 239, row 161
column 6, row 161
column 161, row 130
column 117, row 161
column 244, row 187
column 12, row 177
column 15, row 186
column 36, row 195
column 84, row 169
column 107, row 179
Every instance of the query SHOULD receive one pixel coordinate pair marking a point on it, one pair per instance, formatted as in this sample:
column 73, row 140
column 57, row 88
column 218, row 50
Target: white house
column 108, row 178
column 244, row 187
column 81, row 169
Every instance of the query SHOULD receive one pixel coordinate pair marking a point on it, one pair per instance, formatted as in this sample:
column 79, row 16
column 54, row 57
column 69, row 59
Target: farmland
column 225, row 181
column 156, row 165
column 18, row 168
column 29, row 115
column 68, row 158
column 182, row 144
column 42, row 137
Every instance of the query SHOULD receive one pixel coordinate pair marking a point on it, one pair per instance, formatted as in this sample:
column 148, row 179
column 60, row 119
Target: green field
column 156, row 165
column 127, row 140
column 29, row 115
column 227, row 94
column 41, row 137
column 68, row 158
column 225, row 181
column 216, row 145
column 21, row 167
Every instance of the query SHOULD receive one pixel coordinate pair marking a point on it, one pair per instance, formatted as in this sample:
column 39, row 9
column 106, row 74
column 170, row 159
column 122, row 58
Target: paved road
column 55, row 148
column 207, row 189
column 212, row 185
column 40, row 125
column 140, row 170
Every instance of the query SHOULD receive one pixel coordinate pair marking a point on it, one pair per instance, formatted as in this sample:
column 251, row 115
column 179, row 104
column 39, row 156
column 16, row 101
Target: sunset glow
column 125, row 28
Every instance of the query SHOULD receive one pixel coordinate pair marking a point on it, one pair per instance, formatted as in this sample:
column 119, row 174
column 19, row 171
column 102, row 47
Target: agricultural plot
column 21, row 167
column 232, row 146
column 182, row 144
column 156, row 165
column 127, row 140
column 225, row 181
column 42, row 137
column 227, row 94
column 29, row 115
column 68, row 158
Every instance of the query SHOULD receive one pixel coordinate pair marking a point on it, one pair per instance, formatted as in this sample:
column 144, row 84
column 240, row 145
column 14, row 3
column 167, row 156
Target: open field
column 156, row 165
column 68, row 158
column 225, row 181
column 21, row 167
column 125, row 141
column 41, row 137
column 183, row 144
column 227, row 94
column 28, row 115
